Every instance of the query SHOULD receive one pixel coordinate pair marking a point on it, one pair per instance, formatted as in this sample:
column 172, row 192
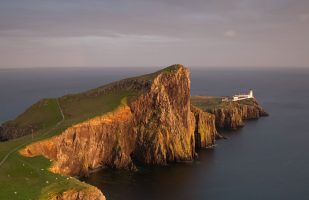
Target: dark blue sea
column 267, row 159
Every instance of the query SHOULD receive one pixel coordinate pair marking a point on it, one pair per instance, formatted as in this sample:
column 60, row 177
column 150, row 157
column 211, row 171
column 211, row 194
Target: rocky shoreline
column 233, row 115
column 162, row 125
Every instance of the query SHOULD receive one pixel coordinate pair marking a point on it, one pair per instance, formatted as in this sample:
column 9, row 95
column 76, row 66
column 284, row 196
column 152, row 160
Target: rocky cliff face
column 155, row 128
column 163, row 122
column 233, row 115
column 37, row 116
column 8, row 131
column 205, row 128
column 92, row 193
column 1, row 134
column 105, row 140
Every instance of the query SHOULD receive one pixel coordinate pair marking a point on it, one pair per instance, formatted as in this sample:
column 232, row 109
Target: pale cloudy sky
column 246, row 33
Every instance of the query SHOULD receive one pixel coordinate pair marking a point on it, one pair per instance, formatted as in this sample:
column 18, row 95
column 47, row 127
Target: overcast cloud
column 245, row 33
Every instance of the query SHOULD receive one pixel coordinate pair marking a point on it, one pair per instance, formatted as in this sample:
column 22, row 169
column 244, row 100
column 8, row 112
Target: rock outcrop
column 155, row 128
column 2, row 138
column 91, row 193
column 36, row 117
column 164, row 124
column 232, row 116
column 9, row 131
column 105, row 140
column 205, row 128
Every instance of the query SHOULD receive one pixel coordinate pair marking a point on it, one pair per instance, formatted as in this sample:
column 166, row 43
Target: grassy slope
column 23, row 178
column 24, row 175
column 212, row 102
column 33, row 115
column 28, row 178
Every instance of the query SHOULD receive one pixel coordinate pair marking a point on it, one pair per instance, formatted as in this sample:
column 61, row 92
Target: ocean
column 267, row 159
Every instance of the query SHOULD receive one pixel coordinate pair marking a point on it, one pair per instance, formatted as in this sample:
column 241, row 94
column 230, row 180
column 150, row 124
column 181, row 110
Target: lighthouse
column 250, row 94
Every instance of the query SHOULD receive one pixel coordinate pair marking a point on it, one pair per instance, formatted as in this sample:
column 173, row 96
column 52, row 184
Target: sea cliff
column 205, row 128
column 154, row 128
column 230, row 115
column 146, row 120
column 91, row 193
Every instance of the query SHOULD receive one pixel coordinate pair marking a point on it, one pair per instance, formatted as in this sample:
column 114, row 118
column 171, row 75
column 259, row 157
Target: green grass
column 28, row 178
column 23, row 178
column 208, row 102
column 212, row 102
column 151, row 76
column 40, row 115
column 79, row 107
column 24, row 175
column 170, row 69
column 43, row 113
column 249, row 102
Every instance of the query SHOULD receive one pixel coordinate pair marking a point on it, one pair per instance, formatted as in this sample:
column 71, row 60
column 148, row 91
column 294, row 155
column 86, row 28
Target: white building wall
column 243, row 96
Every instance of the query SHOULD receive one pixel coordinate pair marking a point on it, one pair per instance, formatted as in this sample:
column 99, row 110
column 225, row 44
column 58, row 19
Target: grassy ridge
column 208, row 102
column 28, row 178
column 213, row 102
column 34, row 116
column 23, row 178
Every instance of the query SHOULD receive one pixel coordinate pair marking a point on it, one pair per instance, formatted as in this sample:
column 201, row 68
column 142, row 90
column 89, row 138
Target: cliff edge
column 144, row 120
column 229, row 115
column 152, row 128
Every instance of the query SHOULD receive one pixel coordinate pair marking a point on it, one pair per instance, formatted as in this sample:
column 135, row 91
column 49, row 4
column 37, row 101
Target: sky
column 207, row 33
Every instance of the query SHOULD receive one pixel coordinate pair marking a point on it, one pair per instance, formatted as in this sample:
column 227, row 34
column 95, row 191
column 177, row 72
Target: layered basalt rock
column 33, row 119
column 91, row 193
column 205, row 128
column 232, row 116
column 9, row 131
column 106, row 140
column 155, row 128
column 163, row 120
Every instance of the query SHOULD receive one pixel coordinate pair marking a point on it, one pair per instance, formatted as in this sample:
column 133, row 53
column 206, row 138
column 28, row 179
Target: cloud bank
column 154, row 32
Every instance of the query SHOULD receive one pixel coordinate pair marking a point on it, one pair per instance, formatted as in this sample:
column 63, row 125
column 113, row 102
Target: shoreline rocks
column 158, row 127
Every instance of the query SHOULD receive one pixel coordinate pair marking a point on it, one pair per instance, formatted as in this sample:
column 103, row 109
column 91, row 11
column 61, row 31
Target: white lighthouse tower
column 250, row 94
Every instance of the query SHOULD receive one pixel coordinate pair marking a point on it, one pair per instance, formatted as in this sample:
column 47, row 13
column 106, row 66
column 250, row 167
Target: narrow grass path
column 18, row 147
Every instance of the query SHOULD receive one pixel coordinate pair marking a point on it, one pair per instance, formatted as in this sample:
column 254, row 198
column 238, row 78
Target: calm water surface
column 268, row 159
